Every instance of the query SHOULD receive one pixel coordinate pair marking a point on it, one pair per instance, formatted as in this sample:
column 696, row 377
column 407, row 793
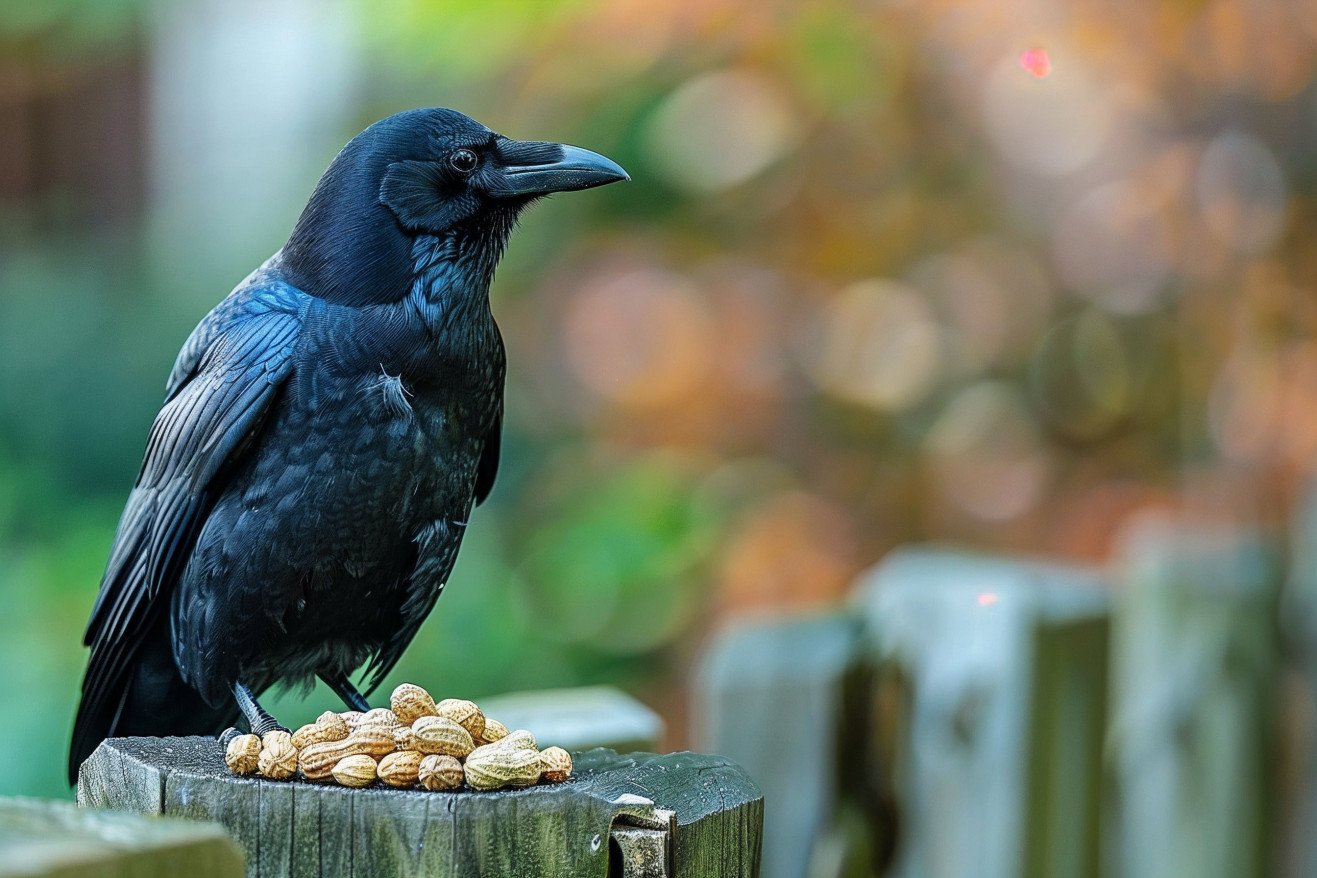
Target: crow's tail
column 93, row 724
column 149, row 698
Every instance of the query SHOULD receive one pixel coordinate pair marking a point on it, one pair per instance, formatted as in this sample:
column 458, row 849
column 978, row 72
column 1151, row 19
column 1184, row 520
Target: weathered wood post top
column 680, row 814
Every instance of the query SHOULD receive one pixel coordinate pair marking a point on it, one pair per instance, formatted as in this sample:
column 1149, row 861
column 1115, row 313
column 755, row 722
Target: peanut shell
column 465, row 713
column 317, row 761
column 494, row 767
column 555, row 765
column 355, row 771
column 243, row 754
column 439, row 772
column 517, row 740
column 400, row 769
column 279, row 737
column 440, row 735
column 410, row 702
column 493, row 731
column 405, row 738
column 379, row 718
column 278, row 758
column 373, row 740
column 329, row 726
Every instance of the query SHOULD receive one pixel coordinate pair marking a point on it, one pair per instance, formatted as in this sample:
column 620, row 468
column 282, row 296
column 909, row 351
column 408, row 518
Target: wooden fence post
column 1195, row 665
column 1298, row 619
column 40, row 839
column 771, row 694
column 696, row 817
column 994, row 695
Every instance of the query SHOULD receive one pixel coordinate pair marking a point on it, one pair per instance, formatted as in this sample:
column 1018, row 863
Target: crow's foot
column 260, row 721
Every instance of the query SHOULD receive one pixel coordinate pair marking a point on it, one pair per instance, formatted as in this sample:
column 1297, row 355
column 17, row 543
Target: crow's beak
column 532, row 168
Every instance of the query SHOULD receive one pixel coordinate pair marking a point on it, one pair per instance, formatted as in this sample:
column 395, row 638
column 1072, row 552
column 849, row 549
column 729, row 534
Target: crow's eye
column 463, row 161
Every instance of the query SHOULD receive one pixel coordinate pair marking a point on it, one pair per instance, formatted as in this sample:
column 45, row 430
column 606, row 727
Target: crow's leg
column 344, row 689
column 260, row 721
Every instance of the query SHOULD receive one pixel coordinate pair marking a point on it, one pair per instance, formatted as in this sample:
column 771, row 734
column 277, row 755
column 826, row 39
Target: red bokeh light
column 1036, row 62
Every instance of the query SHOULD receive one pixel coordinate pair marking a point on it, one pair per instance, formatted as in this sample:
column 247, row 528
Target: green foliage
column 60, row 26
column 457, row 37
column 616, row 567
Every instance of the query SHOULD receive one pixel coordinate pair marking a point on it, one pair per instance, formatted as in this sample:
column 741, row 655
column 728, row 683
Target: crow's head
column 432, row 172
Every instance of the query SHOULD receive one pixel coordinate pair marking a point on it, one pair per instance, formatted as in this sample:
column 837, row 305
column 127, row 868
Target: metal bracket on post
column 642, row 833
column 643, row 852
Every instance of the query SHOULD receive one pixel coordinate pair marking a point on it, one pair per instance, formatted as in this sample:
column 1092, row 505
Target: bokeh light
column 1051, row 126
column 986, row 454
column 1113, row 247
column 1036, row 62
column 878, row 344
column 1242, row 192
column 718, row 130
column 639, row 339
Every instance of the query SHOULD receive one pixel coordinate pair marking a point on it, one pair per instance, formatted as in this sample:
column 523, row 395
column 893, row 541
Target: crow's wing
column 226, row 378
column 488, row 467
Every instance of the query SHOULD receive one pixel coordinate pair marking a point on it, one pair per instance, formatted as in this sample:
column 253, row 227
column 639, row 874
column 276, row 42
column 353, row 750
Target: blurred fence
column 985, row 716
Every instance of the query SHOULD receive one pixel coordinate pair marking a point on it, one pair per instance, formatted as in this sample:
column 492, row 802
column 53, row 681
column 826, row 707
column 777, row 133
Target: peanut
column 555, row 764
column 317, row 761
column 400, row 769
column 493, row 767
column 438, row 734
column 410, row 702
column 373, row 741
column 329, row 726
column 517, row 740
column 243, row 754
column 413, row 741
column 464, row 713
column 405, row 738
column 493, row 731
column 277, row 737
column 355, row 771
column 278, row 758
column 379, row 718
column 439, row 772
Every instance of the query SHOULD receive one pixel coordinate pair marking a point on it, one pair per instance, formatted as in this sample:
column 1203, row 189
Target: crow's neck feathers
column 451, row 273
column 374, row 230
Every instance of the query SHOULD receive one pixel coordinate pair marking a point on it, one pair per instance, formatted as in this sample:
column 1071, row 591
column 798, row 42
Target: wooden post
column 992, row 710
column 1299, row 629
column 697, row 816
column 772, row 694
column 43, row 839
column 1195, row 672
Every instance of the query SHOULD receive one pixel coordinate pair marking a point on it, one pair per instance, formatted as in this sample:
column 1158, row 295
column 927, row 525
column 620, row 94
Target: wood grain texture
column 55, row 840
column 707, row 805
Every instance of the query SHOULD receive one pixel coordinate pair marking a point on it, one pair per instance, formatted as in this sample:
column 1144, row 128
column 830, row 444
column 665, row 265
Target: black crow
column 326, row 430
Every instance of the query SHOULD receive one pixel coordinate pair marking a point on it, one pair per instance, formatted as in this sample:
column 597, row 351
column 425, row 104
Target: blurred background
column 1003, row 273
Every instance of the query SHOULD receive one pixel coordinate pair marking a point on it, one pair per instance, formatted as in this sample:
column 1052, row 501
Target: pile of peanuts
column 414, row 742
